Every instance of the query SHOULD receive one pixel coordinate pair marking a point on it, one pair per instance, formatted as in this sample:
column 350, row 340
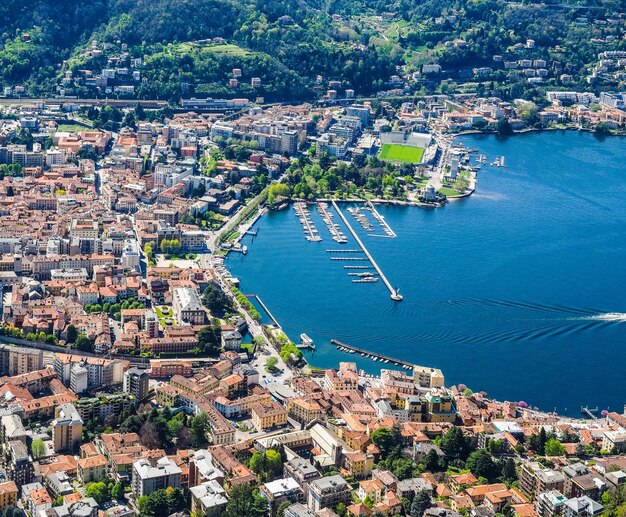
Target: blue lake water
column 517, row 290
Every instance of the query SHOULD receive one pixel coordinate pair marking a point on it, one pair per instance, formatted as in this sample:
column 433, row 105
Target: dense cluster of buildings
column 324, row 425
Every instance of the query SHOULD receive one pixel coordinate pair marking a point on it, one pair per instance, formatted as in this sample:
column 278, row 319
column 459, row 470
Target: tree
column 278, row 192
column 245, row 500
column 117, row 492
column 216, row 300
column 503, row 127
column 386, row 440
column 83, row 343
column 509, row 473
column 72, row 333
column 554, row 448
column 537, row 442
column 198, row 428
column 156, row 504
column 99, row 491
column 420, row 504
column 38, row 448
column 280, row 511
column 176, row 500
column 432, row 462
column 454, row 444
column 271, row 363
column 13, row 511
column 149, row 435
column 209, row 340
column 481, row 464
column 267, row 465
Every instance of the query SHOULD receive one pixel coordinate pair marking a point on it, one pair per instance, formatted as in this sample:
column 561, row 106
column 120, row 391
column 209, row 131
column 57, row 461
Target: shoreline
column 533, row 130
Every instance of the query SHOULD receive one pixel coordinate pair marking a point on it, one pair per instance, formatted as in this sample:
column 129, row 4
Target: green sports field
column 401, row 153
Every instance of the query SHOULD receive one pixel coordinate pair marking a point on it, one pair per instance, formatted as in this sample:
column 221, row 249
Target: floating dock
column 337, row 235
column 381, row 220
column 310, row 231
column 372, row 355
column 305, row 342
column 395, row 295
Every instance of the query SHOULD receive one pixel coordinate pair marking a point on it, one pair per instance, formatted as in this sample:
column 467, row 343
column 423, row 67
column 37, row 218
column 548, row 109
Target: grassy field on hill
column 401, row 153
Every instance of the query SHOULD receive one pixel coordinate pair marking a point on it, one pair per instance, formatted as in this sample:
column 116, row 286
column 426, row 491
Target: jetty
column 304, row 217
column 381, row 220
column 264, row 307
column 336, row 233
column 590, row 412
column 395, row 295
column 371, row 355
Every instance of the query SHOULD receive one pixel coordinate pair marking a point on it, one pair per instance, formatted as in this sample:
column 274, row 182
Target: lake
column 517, row 290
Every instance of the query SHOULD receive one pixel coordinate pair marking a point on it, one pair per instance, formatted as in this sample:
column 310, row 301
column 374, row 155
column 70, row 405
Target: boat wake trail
column 607, row 316
column 522, row 305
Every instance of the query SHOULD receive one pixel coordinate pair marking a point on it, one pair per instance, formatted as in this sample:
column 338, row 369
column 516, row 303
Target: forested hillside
column 295, row 47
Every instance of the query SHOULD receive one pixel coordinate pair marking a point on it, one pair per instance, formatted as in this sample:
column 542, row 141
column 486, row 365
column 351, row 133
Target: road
column 444, row 142
column 265, row 350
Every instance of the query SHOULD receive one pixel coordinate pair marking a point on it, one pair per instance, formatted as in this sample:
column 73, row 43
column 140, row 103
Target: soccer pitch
column 401, row 153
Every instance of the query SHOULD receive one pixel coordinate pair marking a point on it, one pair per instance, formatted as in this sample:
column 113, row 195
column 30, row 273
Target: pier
column 264, row 307
column 590, row 412
column 381, row 220
column 395, row 295
column 337, row 235
column 366, row 353
column 344, row 251
column 310, row 231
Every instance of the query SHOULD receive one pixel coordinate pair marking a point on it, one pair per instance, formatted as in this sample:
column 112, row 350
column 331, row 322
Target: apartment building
column 67, row 429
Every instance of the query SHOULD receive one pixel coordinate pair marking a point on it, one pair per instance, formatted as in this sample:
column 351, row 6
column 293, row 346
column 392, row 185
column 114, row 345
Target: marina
column 381, row 221
column 310, row 231
column 361, row 218
column 453, row 316
column 395, row 294
column 333, row 228
column 349, row 349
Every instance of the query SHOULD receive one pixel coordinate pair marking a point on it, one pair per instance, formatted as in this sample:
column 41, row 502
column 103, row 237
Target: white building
column 148, row 477
column 209, row 499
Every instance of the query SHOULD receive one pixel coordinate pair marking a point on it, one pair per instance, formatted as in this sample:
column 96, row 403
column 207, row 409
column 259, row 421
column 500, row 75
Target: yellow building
column 267, row 416
column 8, row 494
column 359, row 464
column 304, row 410
column 440, row 408
column 93, row 468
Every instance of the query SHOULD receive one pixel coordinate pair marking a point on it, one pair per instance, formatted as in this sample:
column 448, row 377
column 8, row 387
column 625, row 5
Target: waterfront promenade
column 395, row 295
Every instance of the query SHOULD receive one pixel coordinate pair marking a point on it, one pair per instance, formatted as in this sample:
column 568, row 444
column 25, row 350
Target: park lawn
column 401, row 153
column 72, row 128
column 226, row 50
column 449, row 192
